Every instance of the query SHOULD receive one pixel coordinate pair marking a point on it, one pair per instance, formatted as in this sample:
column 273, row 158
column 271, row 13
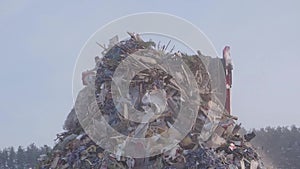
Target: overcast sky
column 40, row 41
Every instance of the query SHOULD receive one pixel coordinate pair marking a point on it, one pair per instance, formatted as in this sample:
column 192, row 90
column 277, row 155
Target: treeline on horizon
column 22, row 158
column 280, row 144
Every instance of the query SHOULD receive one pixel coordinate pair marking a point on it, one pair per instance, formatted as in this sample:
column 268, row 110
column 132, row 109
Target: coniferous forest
column 20, row 157
column 280, row 145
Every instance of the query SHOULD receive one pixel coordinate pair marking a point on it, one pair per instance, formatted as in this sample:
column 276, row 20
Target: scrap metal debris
column 212, row 142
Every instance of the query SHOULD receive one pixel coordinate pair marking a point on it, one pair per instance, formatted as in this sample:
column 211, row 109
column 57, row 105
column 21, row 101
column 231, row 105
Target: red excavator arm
column 227, row 62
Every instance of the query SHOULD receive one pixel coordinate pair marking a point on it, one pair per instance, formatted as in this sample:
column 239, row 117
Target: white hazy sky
column 39, row 43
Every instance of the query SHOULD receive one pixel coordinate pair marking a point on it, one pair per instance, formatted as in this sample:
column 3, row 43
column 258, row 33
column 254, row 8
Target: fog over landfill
column 40, row 42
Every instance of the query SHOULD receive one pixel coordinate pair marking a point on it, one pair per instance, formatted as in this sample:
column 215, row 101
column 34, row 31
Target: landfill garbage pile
column 213, row 141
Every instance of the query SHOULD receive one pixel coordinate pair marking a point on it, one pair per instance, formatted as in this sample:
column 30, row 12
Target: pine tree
column 11, row 163
column 32, row 154
column 20, row 158
column 4, row 158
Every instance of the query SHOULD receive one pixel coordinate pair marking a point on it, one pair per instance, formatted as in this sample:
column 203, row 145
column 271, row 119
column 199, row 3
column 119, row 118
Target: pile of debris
column 213, row 141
